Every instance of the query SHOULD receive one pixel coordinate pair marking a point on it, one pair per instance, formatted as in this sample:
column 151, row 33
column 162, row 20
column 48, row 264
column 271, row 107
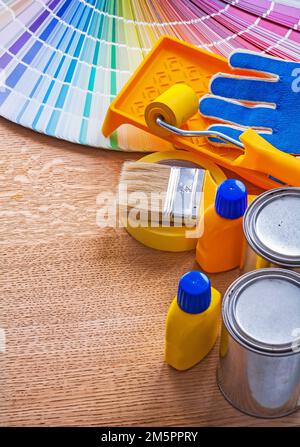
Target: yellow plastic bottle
column 219, row 248
column 192, row 321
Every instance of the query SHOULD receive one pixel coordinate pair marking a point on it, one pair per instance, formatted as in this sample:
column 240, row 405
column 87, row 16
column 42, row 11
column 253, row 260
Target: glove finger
column 244, row 89
column 232, row 132
column 235, row 132
column 254, row 61
column 233, row 112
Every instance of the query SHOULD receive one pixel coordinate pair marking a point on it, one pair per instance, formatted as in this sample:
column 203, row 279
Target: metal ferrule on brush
column 183, row 195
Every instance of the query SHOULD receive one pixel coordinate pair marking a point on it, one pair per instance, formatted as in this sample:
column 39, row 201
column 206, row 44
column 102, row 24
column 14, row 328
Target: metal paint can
column 259, row 364
column 272, row 231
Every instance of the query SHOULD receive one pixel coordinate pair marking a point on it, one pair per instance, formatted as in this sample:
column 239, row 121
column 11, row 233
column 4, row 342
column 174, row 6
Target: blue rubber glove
column 275, row 108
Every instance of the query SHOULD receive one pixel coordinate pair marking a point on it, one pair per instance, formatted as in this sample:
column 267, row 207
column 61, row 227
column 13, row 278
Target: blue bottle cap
column 194, row 292
column 231, row 199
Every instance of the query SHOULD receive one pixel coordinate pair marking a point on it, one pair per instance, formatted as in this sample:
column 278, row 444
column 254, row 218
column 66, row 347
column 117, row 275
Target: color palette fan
column 63, row 61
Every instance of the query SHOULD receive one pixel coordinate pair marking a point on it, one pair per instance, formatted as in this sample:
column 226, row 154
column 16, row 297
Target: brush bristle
column 147, row 179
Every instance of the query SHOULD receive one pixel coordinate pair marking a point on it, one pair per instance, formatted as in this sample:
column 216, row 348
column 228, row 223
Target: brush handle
column 261, row 156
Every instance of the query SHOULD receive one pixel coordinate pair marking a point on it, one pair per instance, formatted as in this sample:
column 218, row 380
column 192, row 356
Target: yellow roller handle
column 260, row 155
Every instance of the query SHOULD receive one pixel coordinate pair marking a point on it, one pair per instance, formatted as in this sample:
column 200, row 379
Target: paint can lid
column 194, row 292
column 231, row 199
column 272, row 226
column 262, row 310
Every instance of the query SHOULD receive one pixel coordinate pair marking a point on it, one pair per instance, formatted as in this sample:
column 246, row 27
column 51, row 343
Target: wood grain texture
column 83, row 308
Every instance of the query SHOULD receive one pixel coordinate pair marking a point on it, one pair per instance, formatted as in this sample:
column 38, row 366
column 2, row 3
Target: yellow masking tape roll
column 175, row 106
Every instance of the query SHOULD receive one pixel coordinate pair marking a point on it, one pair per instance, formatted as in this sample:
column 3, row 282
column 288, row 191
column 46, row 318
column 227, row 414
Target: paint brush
column 161, row 194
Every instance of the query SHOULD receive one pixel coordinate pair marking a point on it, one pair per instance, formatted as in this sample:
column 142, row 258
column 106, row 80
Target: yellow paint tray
column 170, row 62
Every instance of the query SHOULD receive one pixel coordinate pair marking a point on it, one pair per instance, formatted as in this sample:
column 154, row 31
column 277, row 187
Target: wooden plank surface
column 83, row 308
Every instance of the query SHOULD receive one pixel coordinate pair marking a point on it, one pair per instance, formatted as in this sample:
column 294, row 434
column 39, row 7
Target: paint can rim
column 232, row 320
column 253, row 212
